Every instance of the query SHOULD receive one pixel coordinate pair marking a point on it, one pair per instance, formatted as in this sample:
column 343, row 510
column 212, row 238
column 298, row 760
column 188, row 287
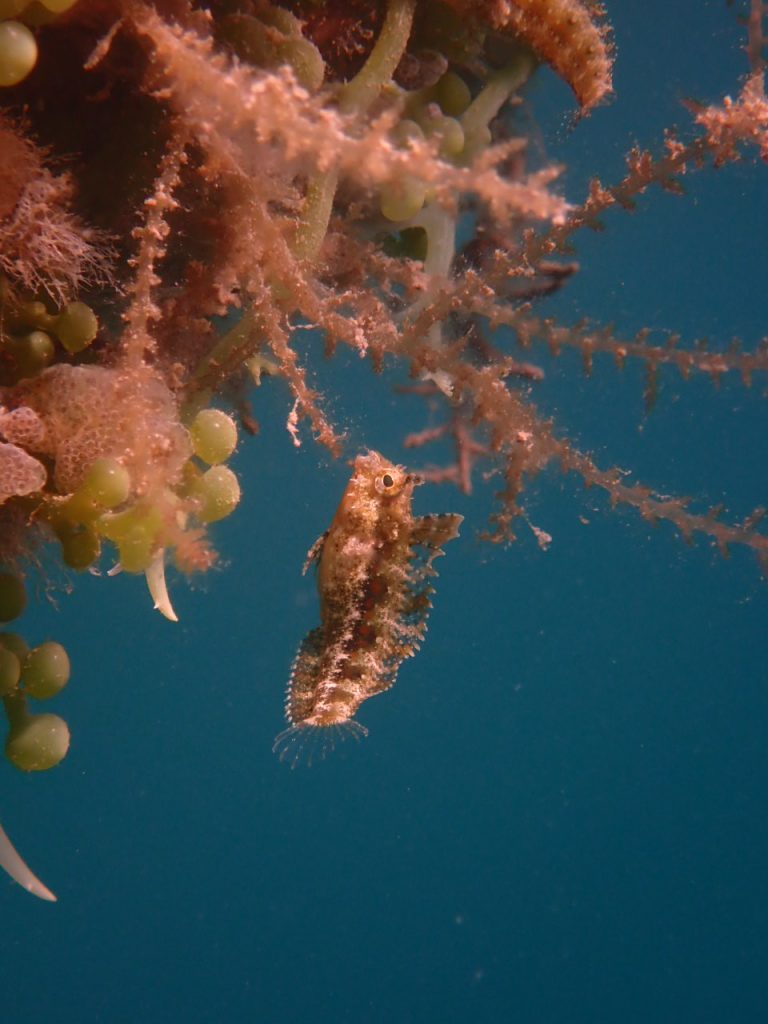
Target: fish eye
column 386, row 483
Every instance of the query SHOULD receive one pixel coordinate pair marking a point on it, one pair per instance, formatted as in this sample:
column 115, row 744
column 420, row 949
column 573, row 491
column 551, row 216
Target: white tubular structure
column 18, row 870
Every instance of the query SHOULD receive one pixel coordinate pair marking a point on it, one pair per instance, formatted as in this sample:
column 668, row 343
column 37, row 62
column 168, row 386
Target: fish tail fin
column 304, row 743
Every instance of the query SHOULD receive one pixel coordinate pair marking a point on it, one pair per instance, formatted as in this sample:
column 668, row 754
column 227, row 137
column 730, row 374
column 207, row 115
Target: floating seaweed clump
column 186, row 188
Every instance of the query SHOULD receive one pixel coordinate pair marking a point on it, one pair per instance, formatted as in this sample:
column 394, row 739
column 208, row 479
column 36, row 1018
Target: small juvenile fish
column 374, row 569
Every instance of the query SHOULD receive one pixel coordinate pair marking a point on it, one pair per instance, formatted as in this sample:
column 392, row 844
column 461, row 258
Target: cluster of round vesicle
column 31, row 339
column 34, row 337
column 103, row 447
column 18, row 47
column 142, row 508
column 433, row 113
column 106, row 505
column 35, row 741
column 81, row 520
column 216, row 490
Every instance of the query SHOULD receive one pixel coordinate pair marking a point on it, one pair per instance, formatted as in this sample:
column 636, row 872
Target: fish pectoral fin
column 18, row 870
column 315, row 553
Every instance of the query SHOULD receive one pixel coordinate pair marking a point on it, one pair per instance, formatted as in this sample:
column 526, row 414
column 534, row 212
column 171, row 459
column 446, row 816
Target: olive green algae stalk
column 438, row 222
column 497, row 89
column 355, row 98
column 358, row 95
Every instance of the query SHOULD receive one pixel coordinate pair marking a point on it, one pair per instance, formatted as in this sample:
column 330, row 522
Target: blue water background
column 560, row 812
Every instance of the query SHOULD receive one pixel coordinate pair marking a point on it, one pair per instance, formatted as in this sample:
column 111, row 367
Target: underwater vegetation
column 186, row 189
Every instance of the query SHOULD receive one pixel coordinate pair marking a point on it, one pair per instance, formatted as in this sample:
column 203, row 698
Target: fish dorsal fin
column 315, row 553
column 428, row 535
column 436, row 530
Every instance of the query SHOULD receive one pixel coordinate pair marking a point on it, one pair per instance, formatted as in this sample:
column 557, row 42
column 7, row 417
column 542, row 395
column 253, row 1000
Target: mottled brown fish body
column 374, row 570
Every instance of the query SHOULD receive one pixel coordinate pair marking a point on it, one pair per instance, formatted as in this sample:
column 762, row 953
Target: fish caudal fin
column 306, row 744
